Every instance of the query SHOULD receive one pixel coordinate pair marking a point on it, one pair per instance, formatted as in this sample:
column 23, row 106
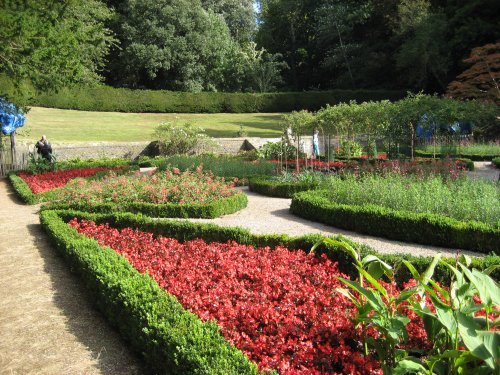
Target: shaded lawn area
column 66, row 126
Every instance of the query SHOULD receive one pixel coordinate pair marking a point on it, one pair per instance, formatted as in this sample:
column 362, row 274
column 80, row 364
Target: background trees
column 224, row 45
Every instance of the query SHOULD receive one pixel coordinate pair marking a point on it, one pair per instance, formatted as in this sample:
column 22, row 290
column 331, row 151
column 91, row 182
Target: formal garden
column 377, row 184
column 196, row 297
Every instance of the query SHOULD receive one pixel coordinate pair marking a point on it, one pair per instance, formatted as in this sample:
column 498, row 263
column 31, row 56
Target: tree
column 173, row 45
column 262, row 69
column 424, row 55
column 482, row 79
column 53, row 43
column 239, row 16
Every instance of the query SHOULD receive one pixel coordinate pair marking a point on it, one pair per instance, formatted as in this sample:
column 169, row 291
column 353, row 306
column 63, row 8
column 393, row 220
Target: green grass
column 462, row 199
column 68, row 126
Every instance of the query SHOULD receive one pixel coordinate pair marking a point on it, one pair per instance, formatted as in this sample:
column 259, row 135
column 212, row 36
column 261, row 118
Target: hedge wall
column 171, row 339
column 398, row 225
column 108, row 99
column 474, row 157
column 220, row 207
column 266, row 186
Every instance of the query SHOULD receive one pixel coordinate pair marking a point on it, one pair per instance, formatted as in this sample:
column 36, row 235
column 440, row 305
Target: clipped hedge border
column 405, row 226
column 220, row 207
column 267, row 186
column 26, row 194
column 171, row 339
column 473, row 157
column 186, row 230
column 109, row 99
column 496, row 162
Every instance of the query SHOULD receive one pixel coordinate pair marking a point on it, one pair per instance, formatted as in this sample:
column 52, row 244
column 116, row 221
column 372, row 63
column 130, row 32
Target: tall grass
column 224, row 166
column 462, row 199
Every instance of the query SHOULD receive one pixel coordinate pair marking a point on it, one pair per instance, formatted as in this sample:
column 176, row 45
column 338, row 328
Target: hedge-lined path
column 266, row 215
column 47, row 324
column 485, row 170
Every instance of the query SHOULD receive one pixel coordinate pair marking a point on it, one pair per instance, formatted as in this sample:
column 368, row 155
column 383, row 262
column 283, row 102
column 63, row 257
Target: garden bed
column 429, row 229
column 46, row 186
column 171, row 193
column 176, row 341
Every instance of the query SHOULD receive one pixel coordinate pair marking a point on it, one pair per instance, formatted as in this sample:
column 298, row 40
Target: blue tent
column 11, row 117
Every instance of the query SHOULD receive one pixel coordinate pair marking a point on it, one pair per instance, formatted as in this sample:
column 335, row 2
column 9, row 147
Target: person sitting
column 44, row 148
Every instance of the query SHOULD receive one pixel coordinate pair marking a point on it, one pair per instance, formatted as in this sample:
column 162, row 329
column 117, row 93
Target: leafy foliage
column 181, row 138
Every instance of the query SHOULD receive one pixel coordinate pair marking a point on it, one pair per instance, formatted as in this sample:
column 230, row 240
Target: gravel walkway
column 265, row 215
column 47, row 324
column 485, row 170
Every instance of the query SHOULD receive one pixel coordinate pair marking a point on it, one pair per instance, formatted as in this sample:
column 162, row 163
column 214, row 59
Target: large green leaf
column 374, row 282
column 480, row 343
column 372, row 298
column 409, row 366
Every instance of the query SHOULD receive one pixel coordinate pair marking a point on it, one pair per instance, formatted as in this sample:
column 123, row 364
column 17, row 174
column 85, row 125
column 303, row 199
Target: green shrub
column 278, row 150
column 273, row 188
column 496, row 162
column 429, row 229
column 171, row 339
column 180, row 138
column 110, row 99
column 220, row 207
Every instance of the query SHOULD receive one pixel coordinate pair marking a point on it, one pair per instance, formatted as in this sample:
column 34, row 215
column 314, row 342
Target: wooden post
column 13, row 147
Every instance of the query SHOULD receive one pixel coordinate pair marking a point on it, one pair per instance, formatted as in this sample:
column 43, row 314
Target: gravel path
column 47, row 325
column 485, row 170
column 265, row 215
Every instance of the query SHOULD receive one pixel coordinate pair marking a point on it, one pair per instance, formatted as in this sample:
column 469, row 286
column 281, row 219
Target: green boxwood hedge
column 265, row 185
column 473, row 157
column 109, row 99
column 496, row 162
column 398, row 225
column 171, row 339
column 220, row 207
column 27, row 196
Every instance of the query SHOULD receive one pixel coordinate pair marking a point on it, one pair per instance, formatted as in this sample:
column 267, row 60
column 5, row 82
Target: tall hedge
column 108, row 99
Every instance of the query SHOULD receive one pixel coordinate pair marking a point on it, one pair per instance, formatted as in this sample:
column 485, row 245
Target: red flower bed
column 52, row 180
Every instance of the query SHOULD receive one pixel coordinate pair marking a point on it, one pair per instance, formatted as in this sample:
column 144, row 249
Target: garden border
column 170, row 338
column 220, row 207
column 266, row 186
column 473, row 157
column 405, row 226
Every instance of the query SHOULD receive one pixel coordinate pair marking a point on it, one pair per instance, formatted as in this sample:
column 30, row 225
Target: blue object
column 11, row 117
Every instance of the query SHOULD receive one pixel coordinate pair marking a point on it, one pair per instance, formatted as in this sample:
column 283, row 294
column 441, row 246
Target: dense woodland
column 240, row 45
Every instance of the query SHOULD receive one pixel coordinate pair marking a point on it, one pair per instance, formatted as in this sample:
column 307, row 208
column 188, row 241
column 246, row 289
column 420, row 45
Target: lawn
column 67, row 126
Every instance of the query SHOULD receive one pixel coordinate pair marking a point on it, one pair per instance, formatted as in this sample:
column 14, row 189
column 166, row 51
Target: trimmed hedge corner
column 171, row 339
column 398, row 225
column 496, row 162
column 220, row 207
column 27, row 196
column 266, row 186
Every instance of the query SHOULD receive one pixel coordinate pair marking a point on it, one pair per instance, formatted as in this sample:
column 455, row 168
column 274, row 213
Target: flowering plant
column 171, row 186
column 42, row 182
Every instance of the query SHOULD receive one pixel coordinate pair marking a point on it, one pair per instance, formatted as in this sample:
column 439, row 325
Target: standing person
column 44, row 148
column 316, row 143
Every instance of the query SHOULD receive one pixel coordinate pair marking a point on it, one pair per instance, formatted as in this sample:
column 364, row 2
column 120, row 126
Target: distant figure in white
column 316, row 143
